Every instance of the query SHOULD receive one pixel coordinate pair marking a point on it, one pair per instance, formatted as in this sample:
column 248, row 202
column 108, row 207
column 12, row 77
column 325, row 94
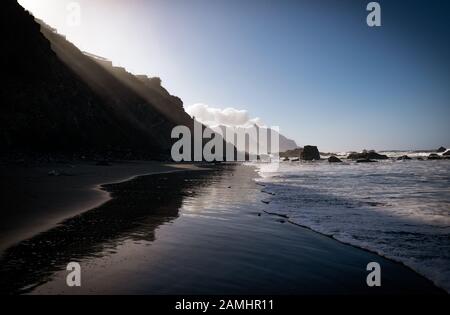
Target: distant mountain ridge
column 284, row 143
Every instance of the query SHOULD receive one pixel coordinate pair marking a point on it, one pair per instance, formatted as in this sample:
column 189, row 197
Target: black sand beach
column 33, row 199
column 202, row 232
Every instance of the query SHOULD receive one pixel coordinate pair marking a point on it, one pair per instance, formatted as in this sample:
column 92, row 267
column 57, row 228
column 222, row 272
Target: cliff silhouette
column 57, row 99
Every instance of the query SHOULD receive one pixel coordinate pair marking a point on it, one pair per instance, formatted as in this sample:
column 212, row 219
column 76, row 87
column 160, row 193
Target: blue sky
column 314, row 68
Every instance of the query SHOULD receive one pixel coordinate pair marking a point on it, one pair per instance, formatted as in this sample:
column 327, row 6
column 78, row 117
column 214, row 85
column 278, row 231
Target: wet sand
column 32, row 201
column 202, row 232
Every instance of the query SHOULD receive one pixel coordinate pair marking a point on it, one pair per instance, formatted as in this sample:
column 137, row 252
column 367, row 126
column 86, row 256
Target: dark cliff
column 56, row 99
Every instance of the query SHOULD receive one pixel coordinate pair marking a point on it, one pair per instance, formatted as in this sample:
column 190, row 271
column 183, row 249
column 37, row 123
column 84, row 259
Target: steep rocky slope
column 56, row 99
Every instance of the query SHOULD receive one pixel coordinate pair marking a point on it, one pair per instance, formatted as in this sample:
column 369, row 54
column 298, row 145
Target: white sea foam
column 399, row 209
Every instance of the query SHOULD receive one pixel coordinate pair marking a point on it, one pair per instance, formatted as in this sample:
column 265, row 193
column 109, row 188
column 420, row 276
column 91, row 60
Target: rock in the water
column 333, row 159
column 310, row 153
column 420, row 158
column 291, row 153
column 434, row 156
column 403, row 157
column 367, row 155
column 365, row 161
column 441, row 149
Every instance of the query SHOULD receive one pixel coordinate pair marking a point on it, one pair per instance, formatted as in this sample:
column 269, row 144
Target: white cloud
column 229, row 116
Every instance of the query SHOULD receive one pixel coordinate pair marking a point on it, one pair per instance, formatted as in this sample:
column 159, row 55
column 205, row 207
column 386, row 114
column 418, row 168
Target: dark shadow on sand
column 133, row 213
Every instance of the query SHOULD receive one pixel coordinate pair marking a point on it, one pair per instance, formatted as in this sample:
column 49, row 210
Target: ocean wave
column 398, row 210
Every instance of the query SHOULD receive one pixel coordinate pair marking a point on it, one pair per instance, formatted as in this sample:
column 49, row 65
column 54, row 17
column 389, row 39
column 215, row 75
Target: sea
column 397, row 209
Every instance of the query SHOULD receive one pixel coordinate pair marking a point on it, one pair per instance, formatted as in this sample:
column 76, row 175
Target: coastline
column 367, row 250
column 92, row 201
column 199, row 233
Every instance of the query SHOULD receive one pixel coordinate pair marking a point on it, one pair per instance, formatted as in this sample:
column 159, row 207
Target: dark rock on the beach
column 333, row 159
column 403, row 157
column 58, row 173
column 54, row 173
column 310, row 153
column 366, row 155
column 295, row 159
column 365, row 161
column 446, row 153
column 434, row 156
column 441, row 149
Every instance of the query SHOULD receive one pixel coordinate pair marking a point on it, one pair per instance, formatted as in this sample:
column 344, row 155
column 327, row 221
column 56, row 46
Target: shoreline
column 37, row 194
column 359, row 248
column 187, row 206
column 434, row 273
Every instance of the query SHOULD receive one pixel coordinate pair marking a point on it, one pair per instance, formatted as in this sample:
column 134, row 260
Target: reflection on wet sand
column 138, row 207
column 194, row 233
